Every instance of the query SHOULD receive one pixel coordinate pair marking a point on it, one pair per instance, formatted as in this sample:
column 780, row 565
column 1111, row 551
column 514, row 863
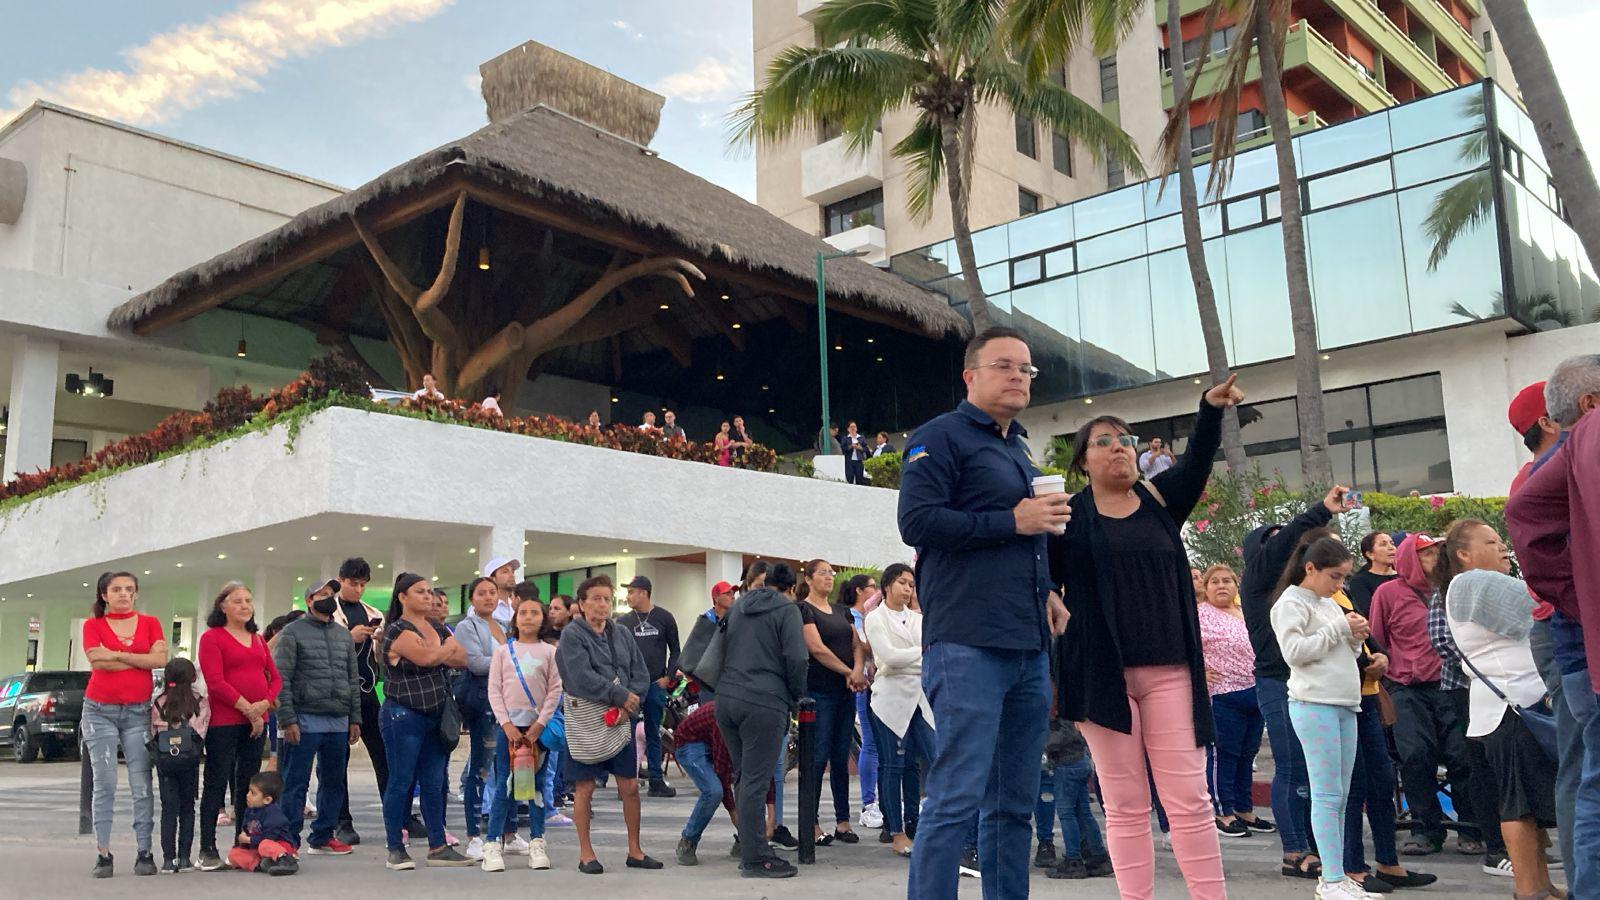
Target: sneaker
column 1343, row 889
column 474, row 849
column 283, row 865
column 493, row 859
column 102, row 866
column 399, row 861
column 685, row 853
column 185, row 864
column 556, row 818
column 1099, row 865
column 771, row 867
column 334, row 847
column 346, row 834
column 447, row 856
column 660, row 788
column 517, row 846
column 1497, row 864
column 782, row 839
column 871, row 816
column 414, row 824
column 145, row 864
column 969, row 863
column 210, row 861
column 536, row 855
column 1234, row 829
column 1069, row 868
column 170, row 867
column 1045, row 856
column 884, row 837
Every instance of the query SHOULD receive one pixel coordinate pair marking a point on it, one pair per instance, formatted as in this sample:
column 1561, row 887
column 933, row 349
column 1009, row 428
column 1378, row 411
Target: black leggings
column 233, row 757
column 177, row 813
column 372, row 739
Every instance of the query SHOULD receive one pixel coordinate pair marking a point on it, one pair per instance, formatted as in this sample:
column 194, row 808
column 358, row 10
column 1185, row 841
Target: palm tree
column 944, row 58
column 1558, row 137
column 1205, row 296
column 1263, row 26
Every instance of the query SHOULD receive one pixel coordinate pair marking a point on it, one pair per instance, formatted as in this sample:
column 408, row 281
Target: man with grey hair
column 1573, row 389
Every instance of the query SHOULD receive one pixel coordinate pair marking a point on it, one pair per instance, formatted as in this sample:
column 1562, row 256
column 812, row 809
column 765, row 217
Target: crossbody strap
column 1491, row 686
column 511, row 647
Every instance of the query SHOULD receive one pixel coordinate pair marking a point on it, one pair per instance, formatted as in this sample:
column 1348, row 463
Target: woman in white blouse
column 902, row 721
column 1490, row 616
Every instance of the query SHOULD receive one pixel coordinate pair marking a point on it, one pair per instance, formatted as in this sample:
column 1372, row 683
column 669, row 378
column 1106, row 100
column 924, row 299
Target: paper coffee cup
column 1046, row 485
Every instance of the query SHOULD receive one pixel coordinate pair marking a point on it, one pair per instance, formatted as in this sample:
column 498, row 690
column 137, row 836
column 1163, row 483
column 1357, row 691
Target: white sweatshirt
column 1316, row 643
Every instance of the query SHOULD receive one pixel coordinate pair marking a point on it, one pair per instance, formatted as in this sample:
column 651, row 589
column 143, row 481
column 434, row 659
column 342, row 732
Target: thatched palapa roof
column 547, row 160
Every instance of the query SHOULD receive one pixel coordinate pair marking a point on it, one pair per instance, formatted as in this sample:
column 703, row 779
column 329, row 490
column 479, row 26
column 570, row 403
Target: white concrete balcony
column 806, row 9
column 829, row 172
column 868, row 240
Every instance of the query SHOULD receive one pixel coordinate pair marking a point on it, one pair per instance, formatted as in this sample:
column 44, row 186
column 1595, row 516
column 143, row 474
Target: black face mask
column 325, row 606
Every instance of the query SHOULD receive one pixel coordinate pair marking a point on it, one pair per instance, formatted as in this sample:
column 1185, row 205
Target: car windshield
column 58, row 681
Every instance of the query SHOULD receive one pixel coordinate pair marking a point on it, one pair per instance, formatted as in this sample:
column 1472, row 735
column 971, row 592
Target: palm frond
column 966, row 29
column 808, row 85
column 1060, row 110
column 922, row 152
column 1457, row 209
column 903, row 25
column 1045, row 33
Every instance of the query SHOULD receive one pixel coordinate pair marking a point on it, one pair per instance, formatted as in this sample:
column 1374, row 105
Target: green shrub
column 884, row 471
column 1235, row 503
column 1432, row 514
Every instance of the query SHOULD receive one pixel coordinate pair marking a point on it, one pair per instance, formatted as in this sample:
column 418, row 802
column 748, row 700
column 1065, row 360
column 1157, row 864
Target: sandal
column 1415, row 847
column 1302, row 865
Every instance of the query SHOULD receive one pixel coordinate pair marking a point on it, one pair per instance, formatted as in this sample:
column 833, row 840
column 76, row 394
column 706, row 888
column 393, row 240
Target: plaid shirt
column 1450, row 675
column 422, row 688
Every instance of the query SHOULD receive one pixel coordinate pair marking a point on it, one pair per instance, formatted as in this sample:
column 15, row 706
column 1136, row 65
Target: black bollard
column 85, row 790
column 810, row 781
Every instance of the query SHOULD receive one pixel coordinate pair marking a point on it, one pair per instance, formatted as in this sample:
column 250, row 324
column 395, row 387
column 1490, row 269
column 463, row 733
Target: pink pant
column 1163, row 730
column 249, row 858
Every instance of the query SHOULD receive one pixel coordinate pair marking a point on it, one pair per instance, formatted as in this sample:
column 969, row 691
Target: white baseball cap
column 500, row 562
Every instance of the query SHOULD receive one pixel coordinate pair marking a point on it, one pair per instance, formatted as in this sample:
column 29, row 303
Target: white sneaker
column 871, row 816
column 518, row 845
column 474, row 849
column 1344, row 889
column 493, row 859
column 536, row 856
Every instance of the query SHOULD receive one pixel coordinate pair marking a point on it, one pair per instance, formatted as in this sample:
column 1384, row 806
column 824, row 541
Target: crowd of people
column 1100, row 651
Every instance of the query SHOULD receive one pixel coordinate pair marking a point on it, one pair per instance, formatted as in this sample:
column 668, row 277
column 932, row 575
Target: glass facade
column 1435, row 213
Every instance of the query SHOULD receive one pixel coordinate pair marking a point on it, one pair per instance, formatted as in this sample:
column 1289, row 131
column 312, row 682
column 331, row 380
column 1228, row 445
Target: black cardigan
column 1263, row 568
column 1089, row 674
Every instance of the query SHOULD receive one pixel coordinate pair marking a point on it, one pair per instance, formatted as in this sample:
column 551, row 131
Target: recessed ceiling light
column 763, row 387
column 380, row 565
column 435, row 578
column 30, row 595
column 624, row 550
column 270, row 549
column 300, row 578
column 737, row 326
column 771, row 410
column 366, row 528
column 147, row 571
column 86, row 584
column 180, row 565
column 524, row 543
column 725, row 297
column 313, row 537
column 615, row 400
column 472, row 549
column 666, row 306
column 880, row 359
column 1326, row 356
column 569, row 559
column 222, row 556
column 1089, row 400
column 838, row 346
column 870, row 340
column 1197, row 381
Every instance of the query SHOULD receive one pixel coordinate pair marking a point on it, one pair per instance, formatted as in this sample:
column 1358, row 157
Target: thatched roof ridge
column 548, row 156
column 532, row 74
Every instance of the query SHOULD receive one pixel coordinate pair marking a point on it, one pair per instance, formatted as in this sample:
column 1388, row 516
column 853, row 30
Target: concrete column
column 723, row 566
column 498, row 541
column 627, row 567
column 414, row 556
column 14, row 640
column 35, row 368
column 270, row 590
column 56, row 635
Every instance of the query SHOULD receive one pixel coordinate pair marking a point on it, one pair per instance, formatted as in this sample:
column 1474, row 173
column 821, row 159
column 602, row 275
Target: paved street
column 39, row 845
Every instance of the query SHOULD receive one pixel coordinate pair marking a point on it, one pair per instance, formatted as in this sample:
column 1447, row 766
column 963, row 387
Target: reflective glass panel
column 1060, row 262
column 1048, row 314
column 1109, row 248
column 1027, row 269
column 995, row 278
column 1114, row 312
column 1285, row 463
column 1345, row 409
column 1445, row 158
column 1351, row 184
column 1109, row 211
column 1258, row 295
column 1407, row 400
column 1452, row 264
column 1045, row 229
column 1253, row 170
column 990, row 245
column 1244, row 213
column 1161, row 197
column 1275, row 420
column 1357, row 272
column 1424, row 121
column 1180, row 344
column 1352, row 464
column 1414, row 462
column 1535, row 301
column 1331, row 148
column 1163, row 234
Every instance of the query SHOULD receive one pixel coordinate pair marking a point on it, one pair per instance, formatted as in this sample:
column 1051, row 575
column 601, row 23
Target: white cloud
column 710, row 80
column 474, row 83
column 195, row 64
column 620, row 24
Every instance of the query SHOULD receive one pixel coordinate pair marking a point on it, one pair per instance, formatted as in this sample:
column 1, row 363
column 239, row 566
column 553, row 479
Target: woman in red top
column 122, row 646
column 241, row 685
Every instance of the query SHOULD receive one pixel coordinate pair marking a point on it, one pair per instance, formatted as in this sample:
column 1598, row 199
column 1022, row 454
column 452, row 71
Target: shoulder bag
column 1539, row 718
column 589, row 738
column 708, row 668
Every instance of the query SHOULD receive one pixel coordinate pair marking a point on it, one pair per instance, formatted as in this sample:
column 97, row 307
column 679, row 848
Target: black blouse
column 1143, row 564
column 422, row 688
column 836, row 628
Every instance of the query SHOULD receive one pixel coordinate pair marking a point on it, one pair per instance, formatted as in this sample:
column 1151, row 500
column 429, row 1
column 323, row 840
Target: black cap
column 640, row 582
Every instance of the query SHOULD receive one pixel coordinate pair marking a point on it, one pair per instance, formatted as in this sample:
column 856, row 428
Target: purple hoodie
column 1399, row 618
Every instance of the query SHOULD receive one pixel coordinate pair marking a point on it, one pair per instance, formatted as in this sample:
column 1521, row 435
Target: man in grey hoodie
column 763, row 679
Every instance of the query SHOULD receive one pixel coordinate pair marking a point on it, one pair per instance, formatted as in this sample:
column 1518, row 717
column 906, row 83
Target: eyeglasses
column 1006, row 367
column 1106, row 440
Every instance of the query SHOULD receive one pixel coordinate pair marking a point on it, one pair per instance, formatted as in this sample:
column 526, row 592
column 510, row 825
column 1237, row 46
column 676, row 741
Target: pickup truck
column 39, row 713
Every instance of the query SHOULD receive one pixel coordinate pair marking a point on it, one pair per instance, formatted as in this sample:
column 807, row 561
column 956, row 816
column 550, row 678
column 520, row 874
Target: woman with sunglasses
column 1132, row 668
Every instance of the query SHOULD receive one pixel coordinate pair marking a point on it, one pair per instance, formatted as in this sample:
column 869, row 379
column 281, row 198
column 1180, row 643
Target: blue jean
column 331, row 752
column 416, row 759
column 989, row 743
column 502, row 808
column 1238, row 718
column 105, row 727
column 779, row 769
column 836, row 726
column 1372, row 787
column 867, row 762
column 1079, row 830
column 899, row 778
column 475, row 776
column 1583, row 866
column 696, row 761
column 652, row 709
column 1291, row 790
column 1328, row 734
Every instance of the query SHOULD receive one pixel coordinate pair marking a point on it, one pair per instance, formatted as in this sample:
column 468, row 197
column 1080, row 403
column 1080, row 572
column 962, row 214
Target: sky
column 342, row 90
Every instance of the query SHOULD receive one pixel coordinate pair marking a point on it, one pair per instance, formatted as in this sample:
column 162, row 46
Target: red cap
column 1425, row 541
column 720, row 588
column 1527, row 407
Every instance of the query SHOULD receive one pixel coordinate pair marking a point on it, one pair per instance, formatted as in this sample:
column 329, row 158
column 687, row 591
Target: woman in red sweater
column 122, row 645
column 241, row 685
